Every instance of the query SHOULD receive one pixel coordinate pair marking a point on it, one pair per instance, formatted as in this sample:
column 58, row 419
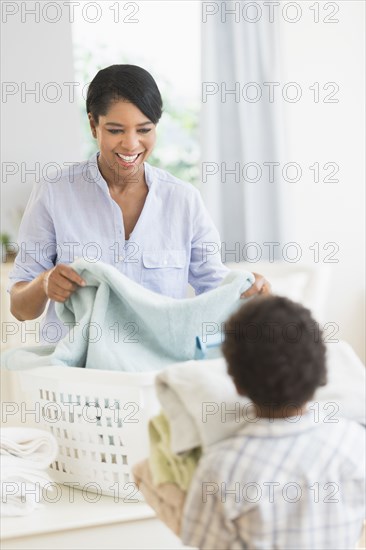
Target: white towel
column 197, row 397
column 25, row 454
column 37, row 448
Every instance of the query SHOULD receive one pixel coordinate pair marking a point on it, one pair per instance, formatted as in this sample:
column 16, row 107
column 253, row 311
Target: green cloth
column 132, row 329
column 165, row 466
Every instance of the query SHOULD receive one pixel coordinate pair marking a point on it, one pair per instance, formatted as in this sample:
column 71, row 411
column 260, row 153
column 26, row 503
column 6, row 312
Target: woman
column 116, row 208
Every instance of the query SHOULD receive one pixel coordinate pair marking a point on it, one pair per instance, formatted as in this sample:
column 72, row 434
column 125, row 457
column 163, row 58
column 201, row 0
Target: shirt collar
column 281, row 427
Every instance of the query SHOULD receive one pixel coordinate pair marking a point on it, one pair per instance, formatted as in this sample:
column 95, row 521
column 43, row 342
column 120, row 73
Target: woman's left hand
column 260, row 286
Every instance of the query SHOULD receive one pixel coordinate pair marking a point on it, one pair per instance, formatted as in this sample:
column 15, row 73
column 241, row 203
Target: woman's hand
column 260, row 286
column 60, row 282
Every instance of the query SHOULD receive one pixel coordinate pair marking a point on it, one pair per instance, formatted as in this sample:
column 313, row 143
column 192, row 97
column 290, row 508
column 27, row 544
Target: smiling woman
column 148, row 224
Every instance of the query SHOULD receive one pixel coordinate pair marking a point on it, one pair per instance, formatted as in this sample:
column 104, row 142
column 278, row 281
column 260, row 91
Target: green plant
column 4, row 239
column 7, row 250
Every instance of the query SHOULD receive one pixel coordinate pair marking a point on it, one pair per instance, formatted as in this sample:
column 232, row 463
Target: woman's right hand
column 60, row 282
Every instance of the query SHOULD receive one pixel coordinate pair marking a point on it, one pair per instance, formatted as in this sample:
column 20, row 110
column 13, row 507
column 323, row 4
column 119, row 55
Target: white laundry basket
column 99, row 419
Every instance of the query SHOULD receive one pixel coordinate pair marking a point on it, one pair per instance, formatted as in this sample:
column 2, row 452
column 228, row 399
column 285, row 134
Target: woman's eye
column 141, row 131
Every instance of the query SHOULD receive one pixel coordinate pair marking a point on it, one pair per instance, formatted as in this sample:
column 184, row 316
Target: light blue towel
column 131, row 328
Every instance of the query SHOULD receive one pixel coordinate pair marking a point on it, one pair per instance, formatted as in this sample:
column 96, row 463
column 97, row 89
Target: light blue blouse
column 173, row 243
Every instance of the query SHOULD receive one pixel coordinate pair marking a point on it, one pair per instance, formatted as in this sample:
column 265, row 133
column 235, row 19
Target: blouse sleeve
column 206, row 269
column 36, row 239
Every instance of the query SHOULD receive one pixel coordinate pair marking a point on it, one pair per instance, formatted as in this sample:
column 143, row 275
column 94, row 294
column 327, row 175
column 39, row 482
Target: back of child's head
column 275, row 352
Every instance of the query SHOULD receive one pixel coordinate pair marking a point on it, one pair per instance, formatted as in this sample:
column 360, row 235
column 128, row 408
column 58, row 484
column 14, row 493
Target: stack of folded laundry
column 191, row 395
column 25, row 455
column 164, row 478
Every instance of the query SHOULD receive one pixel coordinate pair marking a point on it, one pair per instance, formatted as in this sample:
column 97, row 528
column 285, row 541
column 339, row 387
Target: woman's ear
column 93, row 126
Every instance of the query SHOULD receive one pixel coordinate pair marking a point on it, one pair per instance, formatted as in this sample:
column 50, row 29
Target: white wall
column 329, row 132
column 35, row 131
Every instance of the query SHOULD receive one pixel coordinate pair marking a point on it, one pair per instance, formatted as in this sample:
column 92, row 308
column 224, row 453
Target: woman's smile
column 127, row 160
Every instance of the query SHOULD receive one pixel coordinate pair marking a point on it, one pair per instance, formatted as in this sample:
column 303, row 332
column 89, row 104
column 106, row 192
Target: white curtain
column 239, row 133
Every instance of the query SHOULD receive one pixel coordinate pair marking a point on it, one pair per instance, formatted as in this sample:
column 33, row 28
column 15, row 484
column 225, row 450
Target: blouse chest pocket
column 164, row 272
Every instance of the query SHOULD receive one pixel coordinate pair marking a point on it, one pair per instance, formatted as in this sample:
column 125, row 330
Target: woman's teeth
column 128, row 159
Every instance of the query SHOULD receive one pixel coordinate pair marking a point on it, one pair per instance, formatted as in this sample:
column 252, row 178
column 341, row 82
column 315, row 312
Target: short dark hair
column 275, row 352
column 128, row 82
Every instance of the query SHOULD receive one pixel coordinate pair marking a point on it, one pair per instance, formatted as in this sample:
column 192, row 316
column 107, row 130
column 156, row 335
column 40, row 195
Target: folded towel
column 25, row 454
column 203, row 407
column 21, row 488
column 194, row 396
column 166, row 466
column 34, row 449
column 131, row 327
column 167, row 500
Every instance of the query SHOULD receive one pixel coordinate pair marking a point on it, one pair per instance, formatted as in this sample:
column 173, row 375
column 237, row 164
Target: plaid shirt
column 284, row 483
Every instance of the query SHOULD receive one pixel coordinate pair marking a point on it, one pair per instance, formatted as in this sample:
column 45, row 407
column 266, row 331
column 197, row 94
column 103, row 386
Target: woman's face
column 126, row 138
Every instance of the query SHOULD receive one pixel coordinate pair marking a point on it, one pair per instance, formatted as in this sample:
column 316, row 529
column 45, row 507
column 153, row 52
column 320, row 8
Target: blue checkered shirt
column 283, row 483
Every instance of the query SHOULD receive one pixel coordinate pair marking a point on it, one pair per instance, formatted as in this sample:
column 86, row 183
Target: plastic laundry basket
column 99, row 419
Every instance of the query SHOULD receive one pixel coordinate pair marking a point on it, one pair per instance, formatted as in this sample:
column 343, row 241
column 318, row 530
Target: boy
column 289, row 478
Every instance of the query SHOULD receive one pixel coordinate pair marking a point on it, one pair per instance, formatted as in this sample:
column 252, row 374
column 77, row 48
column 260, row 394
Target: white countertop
column 74, row 510
column 73, row 521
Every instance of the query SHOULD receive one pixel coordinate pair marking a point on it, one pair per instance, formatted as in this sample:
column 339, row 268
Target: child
column 292, row 476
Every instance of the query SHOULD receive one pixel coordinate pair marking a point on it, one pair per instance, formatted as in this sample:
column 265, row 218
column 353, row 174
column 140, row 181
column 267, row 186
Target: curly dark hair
column 275, row 352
